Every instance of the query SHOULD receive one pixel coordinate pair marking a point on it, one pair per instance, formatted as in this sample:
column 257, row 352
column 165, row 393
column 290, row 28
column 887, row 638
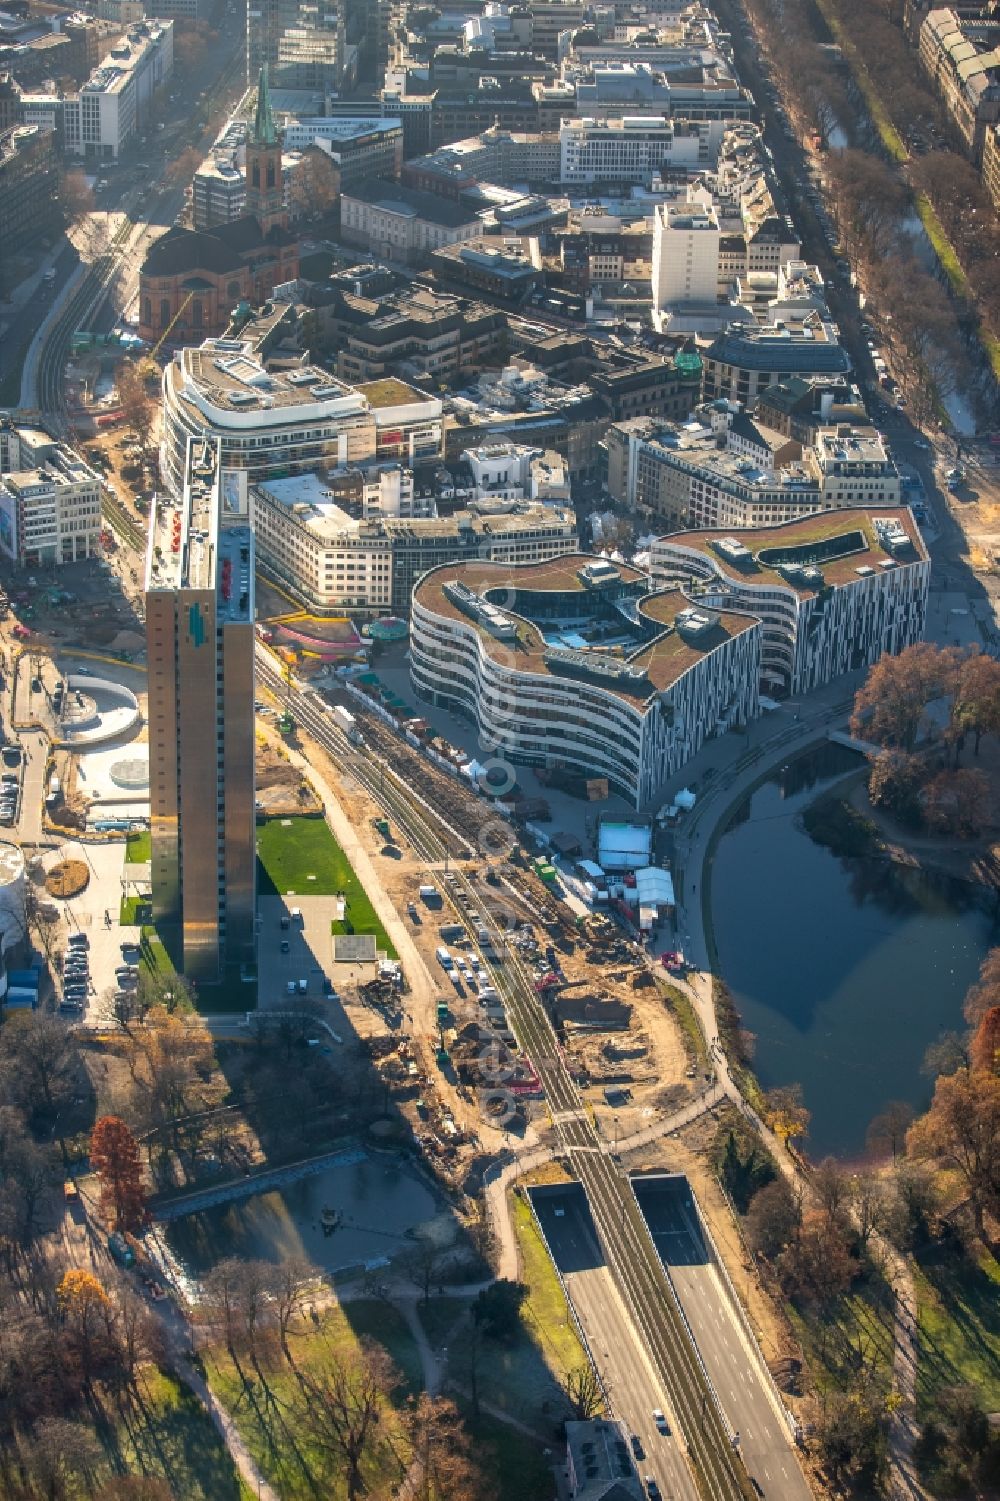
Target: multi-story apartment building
column 608, row 91
column 335, row 552
column 961, row 56
column 853, row 467
column 50, row 500
column 991, row 164
column 833, row 593
column 501, row 646
column 685, row 255
column 494, row 155
column 282, row 422
column 218, row 193
column 725, row 469
column 681, row 477
column 631, row 149
column 111, row 109
column 302, row 43
column 400, row 224
column 507, row 267
column 358, row 147
column 630, row 383
column 801, row 408
column 200, row 647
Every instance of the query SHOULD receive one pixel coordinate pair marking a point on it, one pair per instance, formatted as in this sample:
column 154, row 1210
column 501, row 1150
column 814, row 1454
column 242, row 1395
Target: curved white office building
column 833, row 591
column 275, row 423
column 575, row 663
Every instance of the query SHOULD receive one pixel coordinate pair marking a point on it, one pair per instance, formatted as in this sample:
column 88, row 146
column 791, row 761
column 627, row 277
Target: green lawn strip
column 362, row 918
column 301, row 855
column 525, row 1378
column 683, row 1011
column 297, row 1466
column 943, row 248
column 174, row 1438
column 439, row 1317
column 958, row 1329
column 129, row 907
column 155, row 957
column 138, row 848
column 859, row 1323
column 888, row 134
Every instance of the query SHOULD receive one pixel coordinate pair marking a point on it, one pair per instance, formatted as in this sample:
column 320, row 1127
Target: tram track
column 631, row 1256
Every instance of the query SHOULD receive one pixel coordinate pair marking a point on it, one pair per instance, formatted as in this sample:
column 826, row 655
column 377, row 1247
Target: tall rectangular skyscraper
column 200, row 645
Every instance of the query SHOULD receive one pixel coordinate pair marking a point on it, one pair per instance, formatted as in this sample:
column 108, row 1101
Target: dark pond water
column 379, row 1199
column 845, row 969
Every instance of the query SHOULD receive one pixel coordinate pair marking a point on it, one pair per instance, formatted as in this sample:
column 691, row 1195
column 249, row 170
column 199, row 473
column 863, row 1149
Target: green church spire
column 265, row 132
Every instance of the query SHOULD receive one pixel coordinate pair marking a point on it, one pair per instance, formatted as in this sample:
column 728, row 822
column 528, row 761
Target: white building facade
column 111, row 108
column 635, row 721
column 50, row 501
column 685, row 255
column 335, row 560
column 273, row 424
column 830, row 600
column 630, row 150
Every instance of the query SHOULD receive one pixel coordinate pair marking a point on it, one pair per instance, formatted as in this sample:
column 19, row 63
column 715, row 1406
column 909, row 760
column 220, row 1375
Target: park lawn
column 439, row 1317
column 373, row 1318
column 175, row 1438
column 525, row 1378
column 831, row 1338
column 958, row 1328
column 298, row 1467
column 513, row 1461
column 138, row 847
column 300, row 857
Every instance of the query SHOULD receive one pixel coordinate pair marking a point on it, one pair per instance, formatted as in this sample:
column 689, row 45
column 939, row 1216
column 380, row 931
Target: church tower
column 265, row 193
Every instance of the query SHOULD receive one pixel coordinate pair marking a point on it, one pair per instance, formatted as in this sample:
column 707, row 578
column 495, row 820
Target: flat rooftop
column 390, row 393
column 308, row 500
column 814, row 539
column 853, row 445
column 637, row 675
column 229, row 375
column 190, row 549
column 694, row 446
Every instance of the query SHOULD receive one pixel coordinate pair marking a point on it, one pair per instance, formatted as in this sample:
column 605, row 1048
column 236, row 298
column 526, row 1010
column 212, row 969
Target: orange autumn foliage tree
column 114, row 1156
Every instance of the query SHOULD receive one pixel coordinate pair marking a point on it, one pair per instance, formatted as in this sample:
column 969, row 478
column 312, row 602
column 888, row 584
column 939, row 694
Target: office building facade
column 200, row 646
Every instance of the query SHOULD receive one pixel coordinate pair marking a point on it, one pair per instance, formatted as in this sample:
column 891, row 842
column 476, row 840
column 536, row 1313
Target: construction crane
column 147, row 365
